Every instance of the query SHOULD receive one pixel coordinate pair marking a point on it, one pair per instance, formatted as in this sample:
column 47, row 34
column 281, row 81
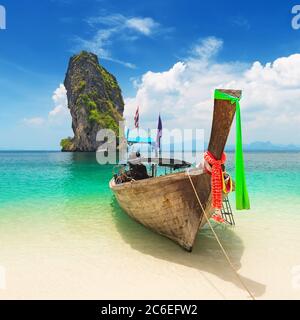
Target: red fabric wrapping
column 217, row 218
column 216, row 178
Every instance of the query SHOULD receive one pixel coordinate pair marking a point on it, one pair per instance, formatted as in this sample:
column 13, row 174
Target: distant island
column 266, row 146
column 94, row 99
column 258, row 146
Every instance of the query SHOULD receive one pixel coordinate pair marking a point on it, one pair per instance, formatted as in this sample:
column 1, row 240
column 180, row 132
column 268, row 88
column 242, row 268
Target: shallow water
column 63, row 235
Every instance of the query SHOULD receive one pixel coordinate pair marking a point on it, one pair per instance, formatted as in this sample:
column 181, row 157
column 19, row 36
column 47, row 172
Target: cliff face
column 94, row 99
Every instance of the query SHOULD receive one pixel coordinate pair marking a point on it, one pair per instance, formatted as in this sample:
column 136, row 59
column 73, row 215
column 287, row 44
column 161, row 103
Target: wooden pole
column 223, row 116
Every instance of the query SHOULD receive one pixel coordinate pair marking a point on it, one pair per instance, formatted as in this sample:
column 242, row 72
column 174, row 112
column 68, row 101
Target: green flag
column 241, row 193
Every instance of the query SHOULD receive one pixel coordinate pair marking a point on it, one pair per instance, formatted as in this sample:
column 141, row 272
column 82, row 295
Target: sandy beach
column 47, row 260
column 63, row 236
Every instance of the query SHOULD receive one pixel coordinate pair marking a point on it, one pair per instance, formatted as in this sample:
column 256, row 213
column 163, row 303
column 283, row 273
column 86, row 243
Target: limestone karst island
column 94, row 99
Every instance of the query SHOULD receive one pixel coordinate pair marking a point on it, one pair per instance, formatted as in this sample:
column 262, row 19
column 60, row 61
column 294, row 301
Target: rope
column 219, row 242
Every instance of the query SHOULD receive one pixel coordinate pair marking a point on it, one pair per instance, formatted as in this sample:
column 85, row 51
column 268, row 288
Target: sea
column 63, row 235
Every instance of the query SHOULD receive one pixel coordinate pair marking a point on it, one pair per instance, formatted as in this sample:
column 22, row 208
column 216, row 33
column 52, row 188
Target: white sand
column 83, row 259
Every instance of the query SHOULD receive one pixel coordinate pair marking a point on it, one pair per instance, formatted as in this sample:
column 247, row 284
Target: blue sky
column 133, row 38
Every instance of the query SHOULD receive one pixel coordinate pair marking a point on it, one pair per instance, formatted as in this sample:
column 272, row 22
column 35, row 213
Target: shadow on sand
column 206, row 256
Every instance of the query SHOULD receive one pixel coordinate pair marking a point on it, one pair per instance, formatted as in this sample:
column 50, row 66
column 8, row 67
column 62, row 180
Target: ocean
column 63, row 235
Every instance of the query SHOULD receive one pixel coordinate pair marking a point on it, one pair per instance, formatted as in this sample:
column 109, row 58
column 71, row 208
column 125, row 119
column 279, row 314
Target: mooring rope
column 218, row 240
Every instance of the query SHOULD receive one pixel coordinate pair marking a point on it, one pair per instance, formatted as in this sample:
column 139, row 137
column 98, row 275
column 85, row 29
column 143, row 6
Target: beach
column 63, row 236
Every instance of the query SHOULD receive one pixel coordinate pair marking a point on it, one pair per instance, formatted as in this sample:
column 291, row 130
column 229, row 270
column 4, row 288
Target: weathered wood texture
column 167, row 204
column 223, row 116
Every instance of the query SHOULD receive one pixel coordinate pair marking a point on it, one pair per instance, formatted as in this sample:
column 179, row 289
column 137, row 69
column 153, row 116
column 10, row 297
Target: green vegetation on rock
column 85, row 100
column 81, row 85
column 66, row 144
column 104, row 120
column 108, row 117
column 82, row 54
column 109, row 81
column 95, row 101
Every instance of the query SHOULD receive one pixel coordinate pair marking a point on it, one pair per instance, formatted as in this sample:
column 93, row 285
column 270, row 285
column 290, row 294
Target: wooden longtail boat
column 167, row 204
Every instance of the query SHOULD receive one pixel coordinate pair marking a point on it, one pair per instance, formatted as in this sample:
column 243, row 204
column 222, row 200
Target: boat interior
column 140, row 168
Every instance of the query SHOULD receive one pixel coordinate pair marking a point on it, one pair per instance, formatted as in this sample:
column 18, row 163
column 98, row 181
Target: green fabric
column 241, row 193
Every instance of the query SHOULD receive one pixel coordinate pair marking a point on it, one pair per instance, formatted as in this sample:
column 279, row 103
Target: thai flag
column 159, row 133
column 137, row 118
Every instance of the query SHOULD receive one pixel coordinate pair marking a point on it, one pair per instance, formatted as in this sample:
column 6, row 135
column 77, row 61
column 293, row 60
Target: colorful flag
column 159, row 133
column 137, row 118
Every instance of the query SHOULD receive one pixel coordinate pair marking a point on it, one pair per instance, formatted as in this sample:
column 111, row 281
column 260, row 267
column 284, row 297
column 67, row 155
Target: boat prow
column 167, row 204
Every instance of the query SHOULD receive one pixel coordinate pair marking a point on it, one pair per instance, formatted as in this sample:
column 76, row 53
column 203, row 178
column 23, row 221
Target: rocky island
column 94, row 99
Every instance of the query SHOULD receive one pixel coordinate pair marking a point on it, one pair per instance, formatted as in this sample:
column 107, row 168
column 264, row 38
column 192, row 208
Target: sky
column 168, row 57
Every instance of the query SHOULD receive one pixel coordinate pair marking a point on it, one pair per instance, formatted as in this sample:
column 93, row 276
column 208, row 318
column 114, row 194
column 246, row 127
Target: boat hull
column 167, row 204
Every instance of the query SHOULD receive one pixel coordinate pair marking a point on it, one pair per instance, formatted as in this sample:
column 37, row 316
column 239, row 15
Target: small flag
column 137, row 118
column 159, row 133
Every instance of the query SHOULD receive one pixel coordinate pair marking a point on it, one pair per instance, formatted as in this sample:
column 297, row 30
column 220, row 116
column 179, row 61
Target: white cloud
column 34, row 122
column 116, row 22
column 116, row 28
column 60, row 103
column 207, row 48
column 59, row 115
column 142, row 25
column 184, row 94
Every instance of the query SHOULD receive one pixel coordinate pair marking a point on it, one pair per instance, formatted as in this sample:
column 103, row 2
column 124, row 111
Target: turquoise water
column 60, row 185
column 271, row 176
column 54, row 177
column 51, row 176
column 58, row 215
